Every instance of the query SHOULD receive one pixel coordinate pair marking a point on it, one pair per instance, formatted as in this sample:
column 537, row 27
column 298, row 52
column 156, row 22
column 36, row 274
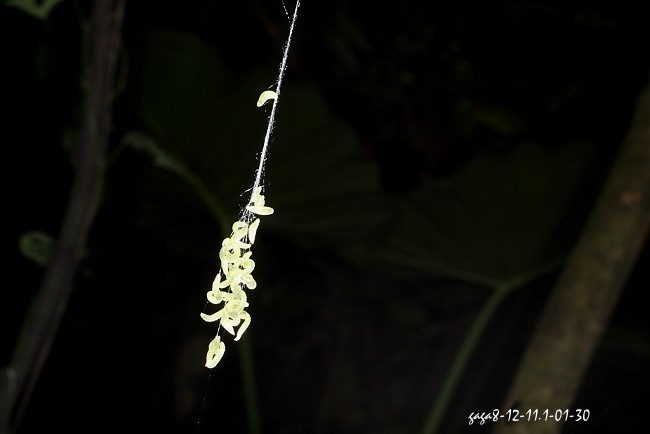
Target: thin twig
column 47, row 310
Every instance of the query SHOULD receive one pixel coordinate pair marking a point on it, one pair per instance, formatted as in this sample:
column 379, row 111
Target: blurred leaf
column 201, row 114
column 167, row 208
column 325, row 192
column 145, row 144
column 36, row 246
column 493, row 221
column 39, row 9
column 210, row 130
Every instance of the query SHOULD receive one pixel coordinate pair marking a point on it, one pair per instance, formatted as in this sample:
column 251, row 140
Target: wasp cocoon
column 252, row 230
column 265, row 96
column 235, row 276
column 257, row 206
column 215, row 352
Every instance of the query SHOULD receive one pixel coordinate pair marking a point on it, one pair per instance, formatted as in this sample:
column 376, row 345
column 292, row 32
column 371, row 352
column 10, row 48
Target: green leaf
column 147, row 145
column 497, row 219
column 39, row 9
column 211, row 132
column 36, row 246
column 323, row 189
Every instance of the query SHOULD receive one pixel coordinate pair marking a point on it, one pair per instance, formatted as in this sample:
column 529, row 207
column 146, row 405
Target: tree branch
column 582, row 301
column 42, row 322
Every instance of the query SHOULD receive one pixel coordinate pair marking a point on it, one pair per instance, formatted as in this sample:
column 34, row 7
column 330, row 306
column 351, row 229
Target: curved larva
column 215, row 352
column 252, row 230
column 265, row 96
column 260, row 210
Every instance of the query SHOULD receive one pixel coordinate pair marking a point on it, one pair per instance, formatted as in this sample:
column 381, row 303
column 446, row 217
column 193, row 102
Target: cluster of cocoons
column 234, row 277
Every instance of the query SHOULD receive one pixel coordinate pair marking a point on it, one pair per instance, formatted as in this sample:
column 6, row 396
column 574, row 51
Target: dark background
column 425, row 154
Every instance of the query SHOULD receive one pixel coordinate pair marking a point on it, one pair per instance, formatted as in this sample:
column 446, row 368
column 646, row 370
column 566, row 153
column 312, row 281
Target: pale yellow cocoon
column 265, row 96
column 216, row 349
column 234, row 277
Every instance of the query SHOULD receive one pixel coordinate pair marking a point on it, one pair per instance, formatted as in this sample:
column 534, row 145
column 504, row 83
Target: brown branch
column 583, row 299
column 42, row 322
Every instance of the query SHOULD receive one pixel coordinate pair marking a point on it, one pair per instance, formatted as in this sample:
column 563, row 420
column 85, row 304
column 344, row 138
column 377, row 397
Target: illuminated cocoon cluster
column 234, row 277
